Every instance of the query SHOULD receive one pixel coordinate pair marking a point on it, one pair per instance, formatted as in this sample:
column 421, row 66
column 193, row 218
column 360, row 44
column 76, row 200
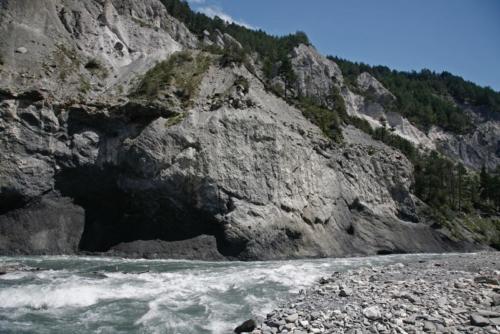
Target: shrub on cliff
column 181, row 74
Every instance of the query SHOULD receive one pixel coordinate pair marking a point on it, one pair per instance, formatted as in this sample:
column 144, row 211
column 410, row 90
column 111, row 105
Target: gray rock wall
column 240, row 174
column 261, row 180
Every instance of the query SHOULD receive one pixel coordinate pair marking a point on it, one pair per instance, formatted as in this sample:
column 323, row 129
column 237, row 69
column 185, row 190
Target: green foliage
column 489, row 188
column 182, row 72
column 251, row 40
column 397, row 142
column 427, row 98
column 360, row 123
column 233, row 54
column 95, row 67
column 271, row 49
column 174, row 120
column 85, row 86
column 487, row 229
column 449, row 187
column 243, row 83
column 67, row 61
column 286, row 73
column 327, row 120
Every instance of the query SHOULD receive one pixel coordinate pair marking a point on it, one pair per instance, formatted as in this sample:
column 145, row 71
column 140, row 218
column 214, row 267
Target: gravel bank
column 458, row 294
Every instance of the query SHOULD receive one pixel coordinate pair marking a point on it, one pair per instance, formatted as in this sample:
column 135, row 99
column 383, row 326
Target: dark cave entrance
column 113, row 216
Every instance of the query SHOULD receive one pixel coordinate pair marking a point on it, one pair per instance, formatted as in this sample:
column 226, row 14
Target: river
column 74, row 294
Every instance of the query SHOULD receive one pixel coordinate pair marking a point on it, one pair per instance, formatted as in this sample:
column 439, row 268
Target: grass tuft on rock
column 329, row 120
column 85, row 86
column 67, row 61
column 174, row 120
column 95, row 67
column 181, row 74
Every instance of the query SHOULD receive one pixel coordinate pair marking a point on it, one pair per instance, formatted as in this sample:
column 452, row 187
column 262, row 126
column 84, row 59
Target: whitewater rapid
column 111, row 295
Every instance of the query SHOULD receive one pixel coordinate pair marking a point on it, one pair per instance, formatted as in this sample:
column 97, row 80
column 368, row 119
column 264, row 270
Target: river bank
column 460, row 294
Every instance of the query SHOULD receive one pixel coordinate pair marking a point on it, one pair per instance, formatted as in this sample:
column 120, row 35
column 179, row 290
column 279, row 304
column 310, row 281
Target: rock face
column 247, row 177
column 317, row 76
column 85, row 47
column 45, row 226
column 368, row 84
column 477, row 149
column 203, row 247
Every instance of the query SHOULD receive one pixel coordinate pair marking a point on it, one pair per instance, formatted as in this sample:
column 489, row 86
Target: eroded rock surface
column 236, row 173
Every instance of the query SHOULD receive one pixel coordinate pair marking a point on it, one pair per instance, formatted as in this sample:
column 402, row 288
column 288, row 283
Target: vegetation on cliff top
column 252, row 40
column 427, row 98
column 271, row 49
column 181, row 72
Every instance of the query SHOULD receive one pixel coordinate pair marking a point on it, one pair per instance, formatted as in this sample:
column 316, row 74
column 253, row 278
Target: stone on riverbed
column 372, row 313
column 246, row 327
column 292, row 318
column 418, row 297
column 477, row 320
column 345, row 292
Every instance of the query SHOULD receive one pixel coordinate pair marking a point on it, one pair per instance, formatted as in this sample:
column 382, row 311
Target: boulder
column 292, row 318
column 21, row 50
column 246, row 327
column 372, row 312
column 477, row 320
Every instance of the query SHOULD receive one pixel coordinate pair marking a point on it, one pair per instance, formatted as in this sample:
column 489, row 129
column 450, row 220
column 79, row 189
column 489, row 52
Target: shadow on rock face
column 131, row 218
column 49, row 225
column 10, row 201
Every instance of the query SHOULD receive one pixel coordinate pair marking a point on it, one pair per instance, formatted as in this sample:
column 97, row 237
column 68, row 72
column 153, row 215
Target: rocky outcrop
column 203, row 247
column 262, row 180
column 476, row 149
column 370, row 103
column 85, row 48
column 317, row 76
column 48, row 225
column 371, row 86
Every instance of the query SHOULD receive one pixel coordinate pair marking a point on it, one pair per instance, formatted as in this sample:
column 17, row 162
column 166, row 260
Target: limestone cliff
column 317, row 76
column 230, row 171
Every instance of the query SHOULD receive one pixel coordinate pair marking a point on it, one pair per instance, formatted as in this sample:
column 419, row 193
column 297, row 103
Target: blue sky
column 459, row 36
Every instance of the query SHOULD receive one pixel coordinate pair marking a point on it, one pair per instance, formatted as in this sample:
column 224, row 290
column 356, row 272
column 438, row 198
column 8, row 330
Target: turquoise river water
column 72, row 294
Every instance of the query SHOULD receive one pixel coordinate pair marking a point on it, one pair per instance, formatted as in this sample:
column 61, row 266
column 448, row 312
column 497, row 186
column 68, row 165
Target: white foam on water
column 213, row 290
column 53, row 296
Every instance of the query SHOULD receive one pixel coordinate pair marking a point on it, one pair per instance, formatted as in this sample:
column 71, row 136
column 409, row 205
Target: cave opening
column 113, row 216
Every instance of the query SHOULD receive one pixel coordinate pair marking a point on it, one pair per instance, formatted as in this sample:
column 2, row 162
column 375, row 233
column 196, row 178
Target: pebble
column 477, row 320
column 372, row 313
column 21, row 50
column 246, row 327
column 292, row 317
column 433, row 296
